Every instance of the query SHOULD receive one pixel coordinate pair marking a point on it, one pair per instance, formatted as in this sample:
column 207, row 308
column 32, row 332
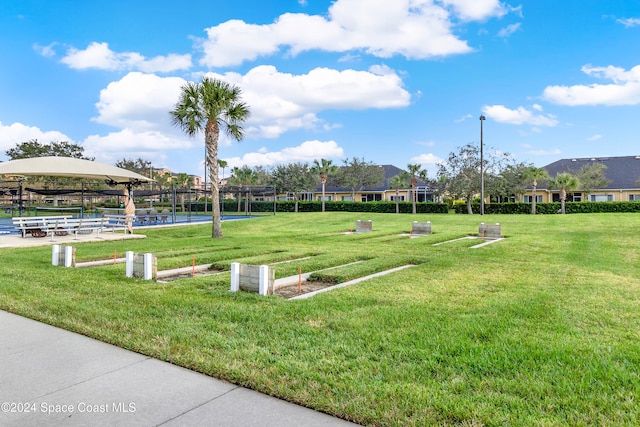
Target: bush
column 551, row 208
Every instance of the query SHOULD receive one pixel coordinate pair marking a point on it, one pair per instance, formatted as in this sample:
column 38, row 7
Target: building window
column 400, row 198
column 424, row 194
column 306, row 197
column 326, row 198
column 529, row 199
column 602, row 198
column 347, row 198
column 634, row 197
column 371, row 197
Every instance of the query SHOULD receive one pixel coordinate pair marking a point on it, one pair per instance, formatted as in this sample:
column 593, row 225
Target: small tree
column 534, row 175
column 294, row 178
column 243, row 177
column 397, row 182
column 461, row 174
column 566, row 182
column 357, row 174
column 416, row 172
column 592, row 176
column 183, row 181
column 324, row 168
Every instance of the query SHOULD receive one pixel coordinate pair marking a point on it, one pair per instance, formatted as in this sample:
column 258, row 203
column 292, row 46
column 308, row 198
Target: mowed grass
column 542, row 328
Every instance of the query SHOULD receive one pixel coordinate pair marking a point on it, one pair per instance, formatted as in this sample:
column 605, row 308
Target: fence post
column 129, row 263
column 235, row 276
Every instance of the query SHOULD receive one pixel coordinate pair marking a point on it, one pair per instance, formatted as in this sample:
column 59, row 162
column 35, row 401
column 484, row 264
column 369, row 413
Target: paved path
column 50, row 376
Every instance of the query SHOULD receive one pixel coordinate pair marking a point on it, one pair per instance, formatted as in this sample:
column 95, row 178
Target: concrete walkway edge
column 50, row 376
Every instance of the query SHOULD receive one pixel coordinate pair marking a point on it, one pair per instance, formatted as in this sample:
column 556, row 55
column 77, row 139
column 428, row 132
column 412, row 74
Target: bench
column 115, row 223
column 76, row 226
column 63, row 225
column 37, row 226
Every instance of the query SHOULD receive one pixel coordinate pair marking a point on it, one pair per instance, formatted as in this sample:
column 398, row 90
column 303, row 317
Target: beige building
column 623, row 174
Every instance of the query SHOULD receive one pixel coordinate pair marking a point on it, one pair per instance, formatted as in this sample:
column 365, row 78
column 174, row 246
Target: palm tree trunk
column 323, row 184
column 212, row 133
column 415, row 191
column 397, row 203
column 533, row 200
column 563, row 199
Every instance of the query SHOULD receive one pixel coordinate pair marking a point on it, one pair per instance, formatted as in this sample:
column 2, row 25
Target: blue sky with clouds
column 391, row 81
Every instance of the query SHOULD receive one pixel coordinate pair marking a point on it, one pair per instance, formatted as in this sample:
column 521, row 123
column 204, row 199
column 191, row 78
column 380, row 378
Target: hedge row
column 290, row 206
column 551, row 208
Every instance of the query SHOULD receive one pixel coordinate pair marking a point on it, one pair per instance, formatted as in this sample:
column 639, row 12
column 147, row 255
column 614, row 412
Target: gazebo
column 77, row 168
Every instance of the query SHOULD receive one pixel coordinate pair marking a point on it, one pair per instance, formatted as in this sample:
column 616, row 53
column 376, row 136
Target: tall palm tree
column 324, row 168
column 397, row 182
column 416, row 172
column 209, row 106
column 565, row 182
column 223, row 164
column 534, row 175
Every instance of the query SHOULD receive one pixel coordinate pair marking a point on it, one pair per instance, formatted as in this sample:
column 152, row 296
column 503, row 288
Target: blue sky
column 390, row 81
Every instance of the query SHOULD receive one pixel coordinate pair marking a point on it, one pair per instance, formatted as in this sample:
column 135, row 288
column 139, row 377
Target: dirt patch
column 292, row 291
column 188, row 275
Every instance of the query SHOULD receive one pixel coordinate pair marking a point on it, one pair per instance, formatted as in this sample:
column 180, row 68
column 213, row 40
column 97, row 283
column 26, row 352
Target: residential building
column 382, row 192
column 623, row 174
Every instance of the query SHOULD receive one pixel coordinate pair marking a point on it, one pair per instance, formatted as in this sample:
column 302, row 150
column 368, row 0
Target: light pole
column 482, row 119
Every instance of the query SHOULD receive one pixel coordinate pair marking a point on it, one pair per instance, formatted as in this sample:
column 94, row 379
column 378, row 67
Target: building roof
column 389, row 172
column 622, row 172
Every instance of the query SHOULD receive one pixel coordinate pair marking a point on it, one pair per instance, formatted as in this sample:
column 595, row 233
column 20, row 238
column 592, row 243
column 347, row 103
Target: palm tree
column 183, row 181
column 397, row 182
column 533, row 175
column 223, row 164
column 323, row 168
column 565, row 182
column 416, row 172
column 242, row 177
column 209, row 106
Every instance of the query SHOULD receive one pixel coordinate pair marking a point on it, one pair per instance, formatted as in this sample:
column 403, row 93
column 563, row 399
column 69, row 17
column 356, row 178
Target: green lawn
column 542, row 328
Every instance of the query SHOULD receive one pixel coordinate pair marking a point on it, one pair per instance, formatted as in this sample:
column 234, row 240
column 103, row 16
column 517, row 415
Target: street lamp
column 482, row 119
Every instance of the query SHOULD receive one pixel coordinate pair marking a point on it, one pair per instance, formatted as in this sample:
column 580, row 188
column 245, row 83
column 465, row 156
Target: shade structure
column 71, row 167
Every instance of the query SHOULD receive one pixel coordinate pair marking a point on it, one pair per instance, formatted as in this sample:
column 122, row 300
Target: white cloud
column 416, row 29
column 519, row 116
column 46, row 51
column 99, row 56
column 624, row 89
column 463, row 118
column 139, row 101
column 305, row 152
column 629, row 22
column 428, row 161
column 595, row 137
column 281, row 101
column 509, row 30
column 16, row 133
column 138, row 105
column 477, row 10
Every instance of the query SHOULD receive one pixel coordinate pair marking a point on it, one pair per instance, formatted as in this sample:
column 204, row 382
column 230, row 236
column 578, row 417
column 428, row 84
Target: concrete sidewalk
column 50, row 376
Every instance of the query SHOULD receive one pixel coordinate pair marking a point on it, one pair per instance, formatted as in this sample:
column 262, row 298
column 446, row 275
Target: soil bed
column 173, row 277
column 292, row 291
